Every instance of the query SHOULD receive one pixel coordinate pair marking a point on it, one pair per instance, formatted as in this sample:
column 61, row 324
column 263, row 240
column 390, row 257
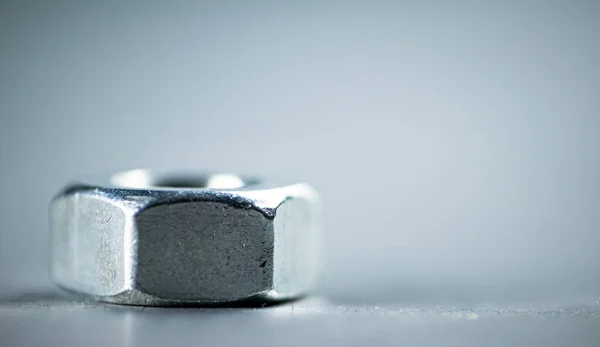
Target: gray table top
column 34, row 320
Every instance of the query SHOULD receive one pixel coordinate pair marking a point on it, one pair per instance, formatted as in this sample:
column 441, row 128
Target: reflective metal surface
column 158, row 238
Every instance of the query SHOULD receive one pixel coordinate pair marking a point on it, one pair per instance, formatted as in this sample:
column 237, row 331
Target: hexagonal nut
column 143, row 239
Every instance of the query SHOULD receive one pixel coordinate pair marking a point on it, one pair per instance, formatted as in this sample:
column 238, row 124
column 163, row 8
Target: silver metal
column 156, row 238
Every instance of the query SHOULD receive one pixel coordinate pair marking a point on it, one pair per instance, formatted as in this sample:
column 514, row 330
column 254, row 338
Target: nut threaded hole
column 148, row 179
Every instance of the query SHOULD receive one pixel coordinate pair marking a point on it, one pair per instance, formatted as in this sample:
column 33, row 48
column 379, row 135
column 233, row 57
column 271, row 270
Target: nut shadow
column 57, row 299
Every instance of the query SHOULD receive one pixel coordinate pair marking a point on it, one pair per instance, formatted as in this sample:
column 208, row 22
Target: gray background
column 455, row 145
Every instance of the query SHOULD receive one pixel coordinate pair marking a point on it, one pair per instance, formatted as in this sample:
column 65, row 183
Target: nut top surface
column 147, row 238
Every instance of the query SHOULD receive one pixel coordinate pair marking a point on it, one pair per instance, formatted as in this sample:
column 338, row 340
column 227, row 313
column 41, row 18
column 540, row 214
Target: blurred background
column 455, row 144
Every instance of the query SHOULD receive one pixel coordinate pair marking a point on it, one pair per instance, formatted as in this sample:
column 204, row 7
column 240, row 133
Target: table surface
column 455, row 146
column 32, row 320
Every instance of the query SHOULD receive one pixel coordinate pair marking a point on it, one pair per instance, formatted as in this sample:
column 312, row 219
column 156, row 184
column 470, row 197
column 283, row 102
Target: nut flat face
column 203, row 251
column 152, row 238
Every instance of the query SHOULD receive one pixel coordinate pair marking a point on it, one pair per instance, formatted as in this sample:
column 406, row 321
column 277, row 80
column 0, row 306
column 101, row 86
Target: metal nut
column 156, row 238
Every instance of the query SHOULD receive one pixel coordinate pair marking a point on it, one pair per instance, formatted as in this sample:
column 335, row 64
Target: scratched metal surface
column 455, row 146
